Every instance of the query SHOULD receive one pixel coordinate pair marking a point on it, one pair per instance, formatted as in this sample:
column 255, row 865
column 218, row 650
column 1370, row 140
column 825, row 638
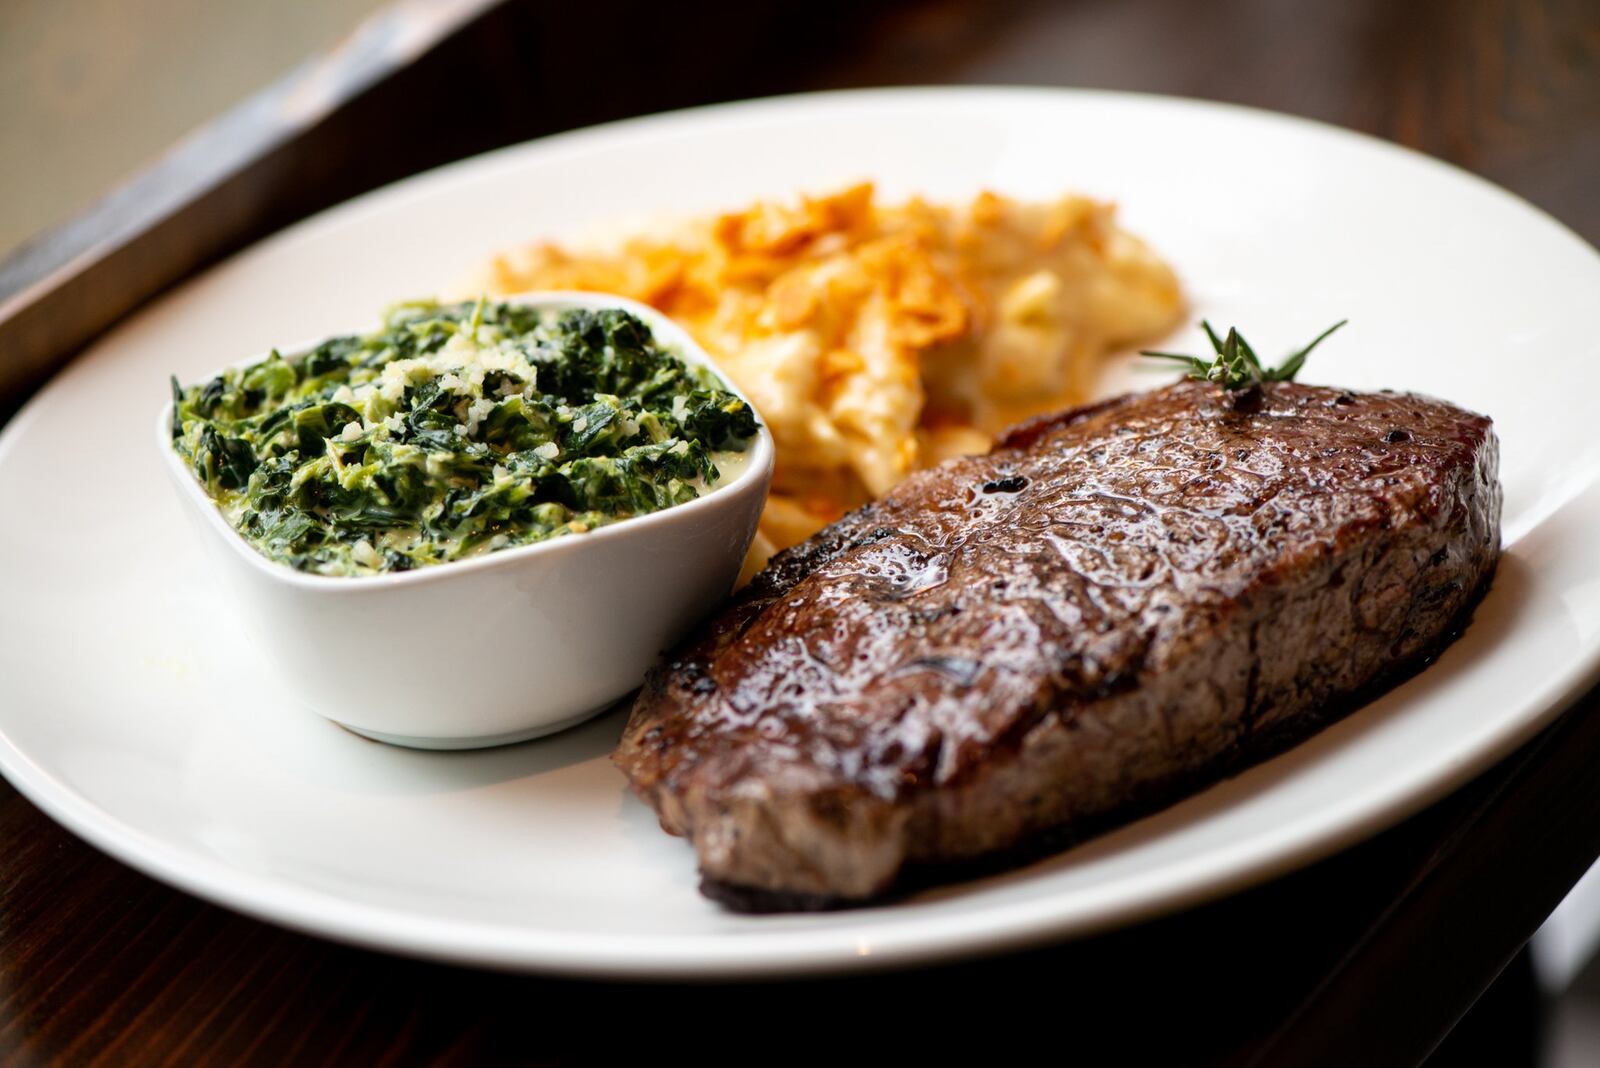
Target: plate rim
column 782, row 952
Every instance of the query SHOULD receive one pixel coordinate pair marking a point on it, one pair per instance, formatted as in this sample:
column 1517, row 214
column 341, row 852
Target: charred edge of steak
column 1030, row 431
column 753, row 901
column 792, row 565
column 688, row 664
column 1153, row 796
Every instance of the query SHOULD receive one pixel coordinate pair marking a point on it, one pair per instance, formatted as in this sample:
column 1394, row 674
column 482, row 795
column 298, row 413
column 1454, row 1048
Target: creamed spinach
column 454, row 430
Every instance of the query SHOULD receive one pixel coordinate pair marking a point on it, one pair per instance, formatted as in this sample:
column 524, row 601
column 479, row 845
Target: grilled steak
column 1116, row 606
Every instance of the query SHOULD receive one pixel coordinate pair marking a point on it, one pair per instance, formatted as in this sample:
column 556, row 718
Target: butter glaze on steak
column 1116, row 606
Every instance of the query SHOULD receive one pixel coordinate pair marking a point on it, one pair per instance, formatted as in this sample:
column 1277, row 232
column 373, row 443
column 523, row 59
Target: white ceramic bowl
column 505, row 646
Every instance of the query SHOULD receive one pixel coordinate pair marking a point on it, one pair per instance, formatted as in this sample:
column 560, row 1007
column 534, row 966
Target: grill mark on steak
column 1118, row 605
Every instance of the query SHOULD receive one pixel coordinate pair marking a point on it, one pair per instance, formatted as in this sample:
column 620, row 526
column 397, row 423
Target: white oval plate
column 136, row 714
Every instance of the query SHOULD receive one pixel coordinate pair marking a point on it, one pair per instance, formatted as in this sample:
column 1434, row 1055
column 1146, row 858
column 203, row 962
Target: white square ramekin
column 509, row 645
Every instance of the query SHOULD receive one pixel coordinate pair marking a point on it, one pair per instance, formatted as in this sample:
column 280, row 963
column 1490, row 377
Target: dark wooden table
column 1371, row 957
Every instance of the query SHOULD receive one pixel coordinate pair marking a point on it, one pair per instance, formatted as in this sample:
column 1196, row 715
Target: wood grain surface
column 1367, row 958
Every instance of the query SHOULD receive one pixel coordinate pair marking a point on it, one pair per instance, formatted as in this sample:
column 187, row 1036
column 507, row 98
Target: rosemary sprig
column 1236, row 366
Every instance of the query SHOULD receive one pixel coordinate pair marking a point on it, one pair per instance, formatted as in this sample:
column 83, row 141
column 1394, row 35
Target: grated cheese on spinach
column 455, row 430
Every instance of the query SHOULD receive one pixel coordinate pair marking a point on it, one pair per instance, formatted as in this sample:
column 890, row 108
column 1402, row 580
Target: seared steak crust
column 1116, row 604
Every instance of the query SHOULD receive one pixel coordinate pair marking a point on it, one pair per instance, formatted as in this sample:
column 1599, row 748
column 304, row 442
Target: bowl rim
column 758, row 470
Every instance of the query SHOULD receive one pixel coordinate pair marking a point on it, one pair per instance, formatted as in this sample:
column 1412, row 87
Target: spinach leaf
column 455, row 429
